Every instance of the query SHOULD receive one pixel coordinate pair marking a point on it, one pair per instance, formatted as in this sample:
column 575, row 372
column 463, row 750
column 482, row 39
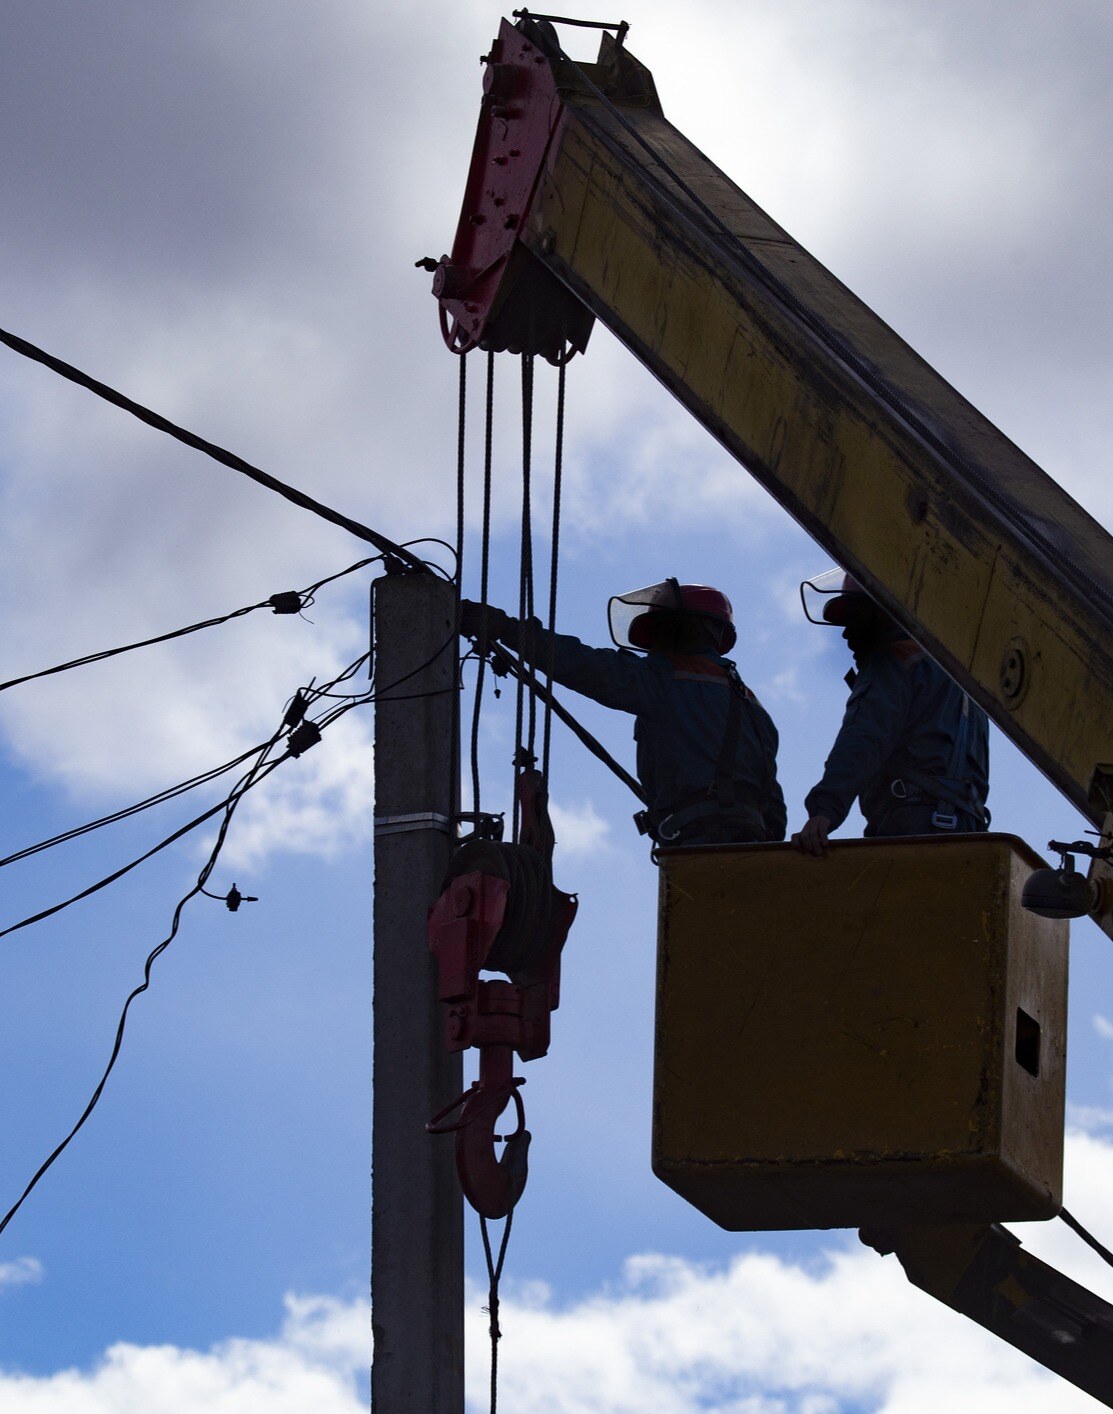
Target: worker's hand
column 812, row 839
column 481, row 620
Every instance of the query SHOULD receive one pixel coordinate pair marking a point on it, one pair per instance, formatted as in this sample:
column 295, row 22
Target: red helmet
column 630, row 614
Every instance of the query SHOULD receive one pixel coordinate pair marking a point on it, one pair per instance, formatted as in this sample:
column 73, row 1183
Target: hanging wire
column 258, row 772
column 554, row 560
column 170, row 793
column 484, row 574
column 291, row 601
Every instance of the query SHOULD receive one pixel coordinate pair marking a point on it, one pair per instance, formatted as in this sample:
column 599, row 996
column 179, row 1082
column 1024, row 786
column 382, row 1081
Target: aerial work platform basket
column 875, row 1038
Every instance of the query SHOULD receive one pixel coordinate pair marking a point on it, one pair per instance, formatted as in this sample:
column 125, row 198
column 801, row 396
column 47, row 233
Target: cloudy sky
column 216, row 207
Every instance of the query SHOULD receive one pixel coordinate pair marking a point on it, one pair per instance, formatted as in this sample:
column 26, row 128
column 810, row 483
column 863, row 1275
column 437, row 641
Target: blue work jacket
column 680, row 706
column 902, row 720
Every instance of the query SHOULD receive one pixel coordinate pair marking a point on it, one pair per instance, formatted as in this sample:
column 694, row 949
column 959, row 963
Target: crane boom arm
column 983, row 558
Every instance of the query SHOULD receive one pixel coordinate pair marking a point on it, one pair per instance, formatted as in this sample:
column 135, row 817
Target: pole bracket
column 403, row 824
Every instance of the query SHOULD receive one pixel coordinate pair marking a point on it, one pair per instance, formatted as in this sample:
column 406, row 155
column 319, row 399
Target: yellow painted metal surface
column 981, row 555
column 874, row 1038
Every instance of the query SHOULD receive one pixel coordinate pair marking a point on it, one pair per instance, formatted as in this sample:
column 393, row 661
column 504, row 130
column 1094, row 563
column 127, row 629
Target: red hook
column 491, row 1185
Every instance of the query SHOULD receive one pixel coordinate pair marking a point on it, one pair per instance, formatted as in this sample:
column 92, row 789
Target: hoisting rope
column 494, row 1274
column 558, row 463
column 525, row 699
column 484, row 573
column 458, row 579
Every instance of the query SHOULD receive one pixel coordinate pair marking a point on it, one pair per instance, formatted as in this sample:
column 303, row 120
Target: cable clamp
column 403, row 824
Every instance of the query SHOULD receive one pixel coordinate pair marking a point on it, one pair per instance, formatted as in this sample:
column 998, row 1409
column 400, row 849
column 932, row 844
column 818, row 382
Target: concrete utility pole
column 417, row 1222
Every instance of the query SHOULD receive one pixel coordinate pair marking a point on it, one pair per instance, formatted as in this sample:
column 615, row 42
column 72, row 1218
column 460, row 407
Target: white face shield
column 817, row 593
column 624, row 610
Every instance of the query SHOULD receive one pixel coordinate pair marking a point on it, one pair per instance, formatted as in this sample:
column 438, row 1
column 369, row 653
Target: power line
column 171, row 793
column 257, row 773
column 210, row 449
column 290, row 601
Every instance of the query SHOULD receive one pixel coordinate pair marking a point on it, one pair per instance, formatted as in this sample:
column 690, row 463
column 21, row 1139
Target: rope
column 458, row 581
column 558, row 466
column 525, row 739
column 494, row 1273
column 484, row 571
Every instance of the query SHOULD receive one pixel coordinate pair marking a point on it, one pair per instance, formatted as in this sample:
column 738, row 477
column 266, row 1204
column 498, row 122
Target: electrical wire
column 292, row 720
column 260, row 769
column 258, row 772
column 210, row 449
column 170, row 793
column 123, row 869
column 276, row 602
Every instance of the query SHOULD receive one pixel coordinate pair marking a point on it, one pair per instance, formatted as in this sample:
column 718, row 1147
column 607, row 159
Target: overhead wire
column 293, row 719
column 257, row 773
column 210, row 449
column 171, row 793
column 281, row 603
column 260, row 769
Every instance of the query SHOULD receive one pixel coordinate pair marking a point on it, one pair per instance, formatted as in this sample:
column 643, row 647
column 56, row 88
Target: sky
column 217, row 208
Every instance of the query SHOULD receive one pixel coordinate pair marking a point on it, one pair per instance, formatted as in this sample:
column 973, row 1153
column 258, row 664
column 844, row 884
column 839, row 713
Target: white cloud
column 579, row 829
column 23, row 1271
column 758, row 1335
column 1103, row 1026
column 318, row 804
column 314, row 1364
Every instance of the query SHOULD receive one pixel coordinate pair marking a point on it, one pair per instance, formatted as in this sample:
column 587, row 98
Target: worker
column 912, row 746
column 706, row 748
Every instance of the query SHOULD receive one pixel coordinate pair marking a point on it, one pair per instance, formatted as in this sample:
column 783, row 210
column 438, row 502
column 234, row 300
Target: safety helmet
column 630, row 614
column 839, row 595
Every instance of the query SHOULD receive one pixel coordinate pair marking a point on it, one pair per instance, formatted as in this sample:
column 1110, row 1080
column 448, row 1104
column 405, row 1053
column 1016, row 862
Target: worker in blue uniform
column 912, row 746
column 706, row 748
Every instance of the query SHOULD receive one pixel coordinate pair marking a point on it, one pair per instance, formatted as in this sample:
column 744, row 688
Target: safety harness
column 951, row 790
column 673, row 824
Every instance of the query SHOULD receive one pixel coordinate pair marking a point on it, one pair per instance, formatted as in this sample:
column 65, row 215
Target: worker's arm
column 607, row 675
column 871, row 730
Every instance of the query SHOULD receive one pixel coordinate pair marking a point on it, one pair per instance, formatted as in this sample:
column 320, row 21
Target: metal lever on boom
column 499, row 911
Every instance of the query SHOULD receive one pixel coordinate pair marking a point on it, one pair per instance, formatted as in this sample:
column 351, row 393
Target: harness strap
column 952, row 789
column 722, row 786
